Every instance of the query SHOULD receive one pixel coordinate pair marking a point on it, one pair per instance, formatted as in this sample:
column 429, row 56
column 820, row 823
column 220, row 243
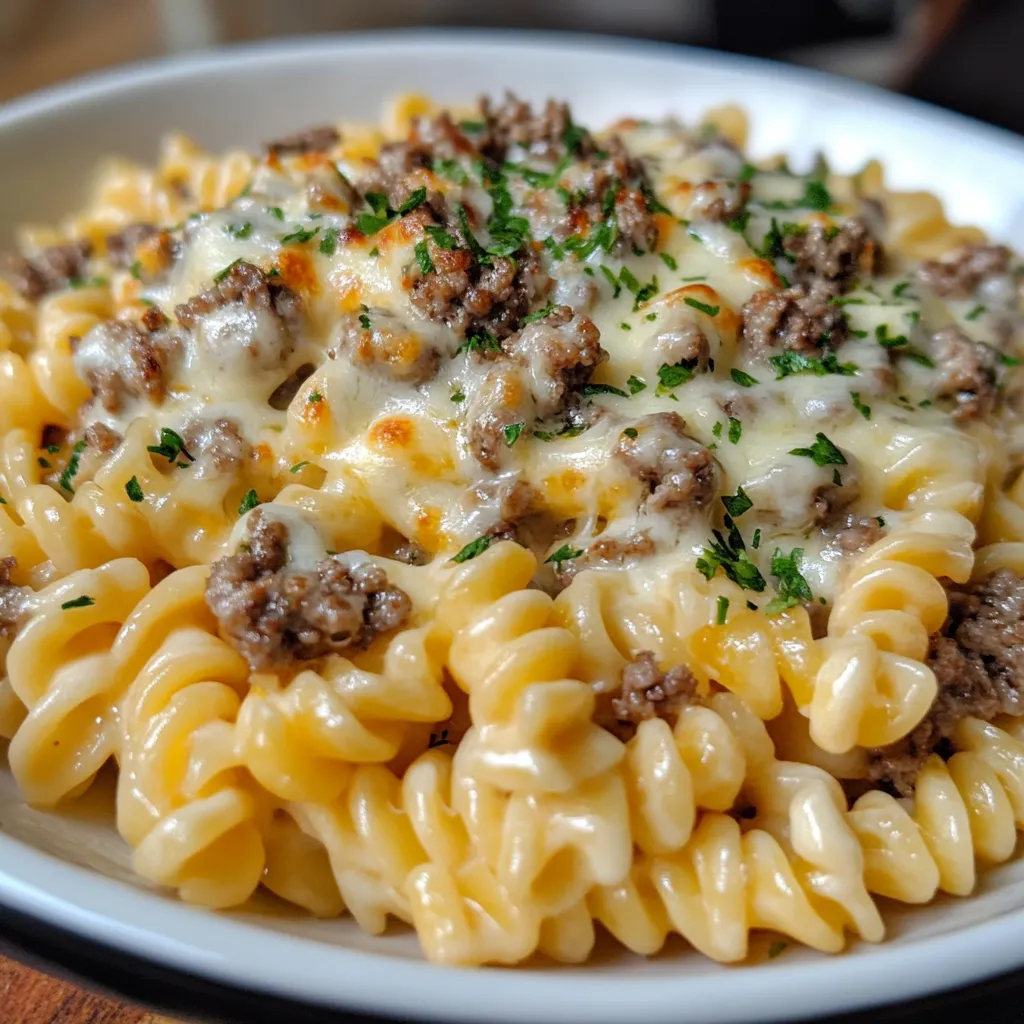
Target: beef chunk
column 649, row 693
column 250, row 286
column 275, row 615
column 560, row 353
column 849, row 534
column 53, row 268
column 959, row 276
column 14, row 600
column 978, row 661
column 122, row 247
column 678, row 471
column 831, row 253
column 411, row 554
column 546, row 133
column 218, row 446
column 605, row 552
column 119, row 360
column 102, row 438
column 312, row 140
column 719, row 201
column 966, row 372
column 798, row 319
column 476, row 298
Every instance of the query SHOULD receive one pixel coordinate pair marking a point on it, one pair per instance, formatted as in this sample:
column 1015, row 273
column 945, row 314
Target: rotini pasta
column 509, row 529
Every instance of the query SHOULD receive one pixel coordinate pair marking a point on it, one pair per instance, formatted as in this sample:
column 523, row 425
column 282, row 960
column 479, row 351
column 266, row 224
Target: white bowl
column 71, row 871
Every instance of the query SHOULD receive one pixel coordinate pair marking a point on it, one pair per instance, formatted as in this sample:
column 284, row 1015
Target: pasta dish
column 510, row 528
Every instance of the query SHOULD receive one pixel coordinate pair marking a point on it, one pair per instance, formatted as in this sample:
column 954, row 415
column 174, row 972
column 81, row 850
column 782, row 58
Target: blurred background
column 962, row 54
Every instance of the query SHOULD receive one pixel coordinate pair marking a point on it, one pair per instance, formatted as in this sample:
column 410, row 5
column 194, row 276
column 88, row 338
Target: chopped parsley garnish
column 669, row 261
column 414, row 200
column 589, row 390
column 1006, row 360
column 512, row 432
column 374, row 252
column 441, row 238
column 426, row 264
column 735, row 430
column 670, row 377
column 171, row 446
column 703, row 307
column 723, row 610
column 603, row 237
column 739, row 224
column 899, row 289
column 747, row 171
column 249, row 502
column 457, row 396
column 692, row 280
column 221, row 274
column 136, row 270
column 43, row 463
column 729, row 554
column 717, row 429
column 485, row 342
column 625, row 326
column 299, row 466
column 72, row 467
column 792, row 363
column 276, row 211
column 538, row 315
column 635, row 384
column 651, row 317
column 383, row 214
column 86, row 282
column 918, row 356
column 554, row 248
column 299, row 236
column 738, row 503
column 776, row 948
column 329, row 241
column 743, row 379
column 792, row 587
column 816, row 197
column 474, row 548
column 880, row 520
column 134, row 490
column 756, row 541
column 79, row 602
column 612, row 280
column 364, row 321
column 641, row 292
column 654, row 204
column 631, row 432
column 564, row 554
column 864, row 410
column 823, row 452
column 452, row 170
column 314, row 397
column 975, row 313
column 52, row 448
column 887, row 340
column 566, row 431
column 473, row 127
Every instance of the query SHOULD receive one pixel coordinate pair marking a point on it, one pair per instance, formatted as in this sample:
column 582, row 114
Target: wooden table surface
column 29, row 997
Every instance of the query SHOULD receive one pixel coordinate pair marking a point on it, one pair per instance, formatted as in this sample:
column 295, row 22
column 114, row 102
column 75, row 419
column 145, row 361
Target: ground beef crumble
column 13, row 599
column 959, row 276
column 965, row 372
column 648, row 692
column 833, row 254
column 978, row 661
column 801, row 318
column 275, row 616
column 51, row 269
column 311, row 140
column 217, row 445
column 605, row 552
column 679, row 472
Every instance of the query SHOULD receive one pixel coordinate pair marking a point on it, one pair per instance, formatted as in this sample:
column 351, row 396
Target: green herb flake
column 299, row 466
column 134, row 490
column 441, row 238
column 673, row 376
column 702, row 307
column 329, row 241
column 71, row 469
column 473, row 548
column 84, row 601
column 880, row 521
column 1006, row 360
column 899, row 289
column 625, row 326
column 249, row 502
column 589, row 390
column 723, row 610
column 299, row 236
column 823, row 452
column 221, row 274
column 631, row 432
column 747, row 171
column 374, row 252
column 864, row 410
column 791, row 587
column 364, row 321
column 540, row 314
column 485, row 342
column 457, row 396
column 612, row 280
column 887, row 340
column 512, row 432
column 426, row 264
column 314, row 397
column 669, row 261
column 816, row 197
column 738, row 503
column 171, row 446
column 975, row 313
column 452, row 170
column 635, row 384
column 276, row 211
column 791, row 364
column 735, row 430
column 755, row 543
column 136, row 270
column 415, row 199
column 43, row 463
column 243, row 230
column 743, row 379
column 776, row 948
column 565, row 553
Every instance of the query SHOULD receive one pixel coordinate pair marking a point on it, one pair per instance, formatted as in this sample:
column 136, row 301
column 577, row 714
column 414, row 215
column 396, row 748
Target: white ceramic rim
column 179, row 937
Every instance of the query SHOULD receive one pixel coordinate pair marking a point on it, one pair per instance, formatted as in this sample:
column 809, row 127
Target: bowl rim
column 92, row 906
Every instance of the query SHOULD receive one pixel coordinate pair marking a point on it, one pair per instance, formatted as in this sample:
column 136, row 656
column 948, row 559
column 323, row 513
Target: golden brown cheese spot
column 759, row 272
column 429, row 534
column 314, row 410
column 666, row 226
column 297, row 271
column 393, row 432
column 262, row 454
